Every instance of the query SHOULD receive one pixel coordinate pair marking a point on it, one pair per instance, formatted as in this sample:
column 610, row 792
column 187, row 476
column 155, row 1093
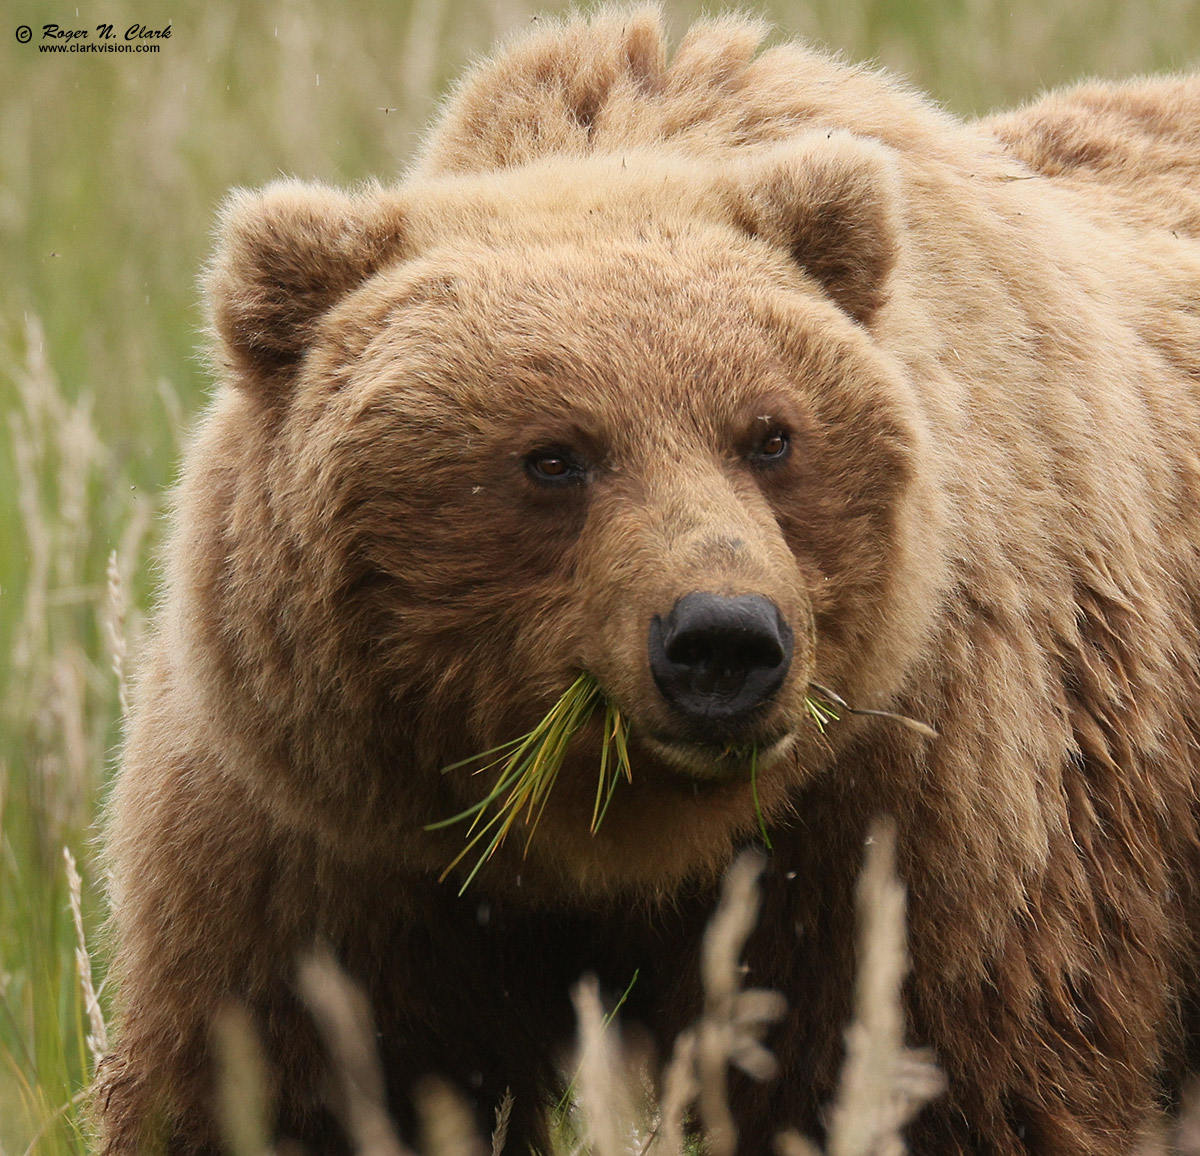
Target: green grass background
column 111, row 169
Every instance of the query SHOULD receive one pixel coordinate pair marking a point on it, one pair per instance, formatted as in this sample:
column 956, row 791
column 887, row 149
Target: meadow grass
column 111, row 168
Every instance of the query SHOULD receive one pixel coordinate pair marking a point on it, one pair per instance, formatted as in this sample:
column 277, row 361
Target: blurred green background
column 111, row 169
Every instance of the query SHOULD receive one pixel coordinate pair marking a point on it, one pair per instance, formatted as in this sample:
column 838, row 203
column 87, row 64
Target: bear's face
column 608, row 417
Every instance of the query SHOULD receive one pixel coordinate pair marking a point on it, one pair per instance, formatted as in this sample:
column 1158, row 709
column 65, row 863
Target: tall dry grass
column 615, row 1110
column 60, row 708
column 110, row 171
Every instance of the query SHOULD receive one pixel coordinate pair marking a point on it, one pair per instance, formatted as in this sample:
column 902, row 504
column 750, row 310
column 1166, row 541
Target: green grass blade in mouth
column 615, row 748
column 529, row 767
column 821, row 710
column 550, row 757
column 507, row 778
column 828, row 702
column 758, row 811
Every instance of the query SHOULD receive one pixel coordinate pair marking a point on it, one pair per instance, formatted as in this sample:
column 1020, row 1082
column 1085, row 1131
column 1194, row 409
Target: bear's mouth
column 525, row 769
column 717, row 762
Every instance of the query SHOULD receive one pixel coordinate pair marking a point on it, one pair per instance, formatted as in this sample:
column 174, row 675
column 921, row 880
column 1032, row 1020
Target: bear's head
column 624, row 415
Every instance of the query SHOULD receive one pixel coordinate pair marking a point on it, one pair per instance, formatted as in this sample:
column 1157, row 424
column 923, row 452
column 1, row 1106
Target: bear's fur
column 478, row 431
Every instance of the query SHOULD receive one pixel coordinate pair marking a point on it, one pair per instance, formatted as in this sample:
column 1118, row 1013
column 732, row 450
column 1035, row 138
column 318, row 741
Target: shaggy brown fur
column 980, row 344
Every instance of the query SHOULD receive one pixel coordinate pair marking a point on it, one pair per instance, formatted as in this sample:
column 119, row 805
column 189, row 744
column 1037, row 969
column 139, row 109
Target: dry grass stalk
column 114, row 618
column 58, row 687
column 97, row 1040
column 126, row 559
column 825, row 706
column 731, row 1028
column 793, row 1144
column 52, row 439
column 68, row 744
column 78, row 451
column 503, row 1115
column 447, row 1125
column 601, row 1086
column 680, row 1087
column 883, row 1083
column 28, row 443
column 344, row 1019
column 243, row 1092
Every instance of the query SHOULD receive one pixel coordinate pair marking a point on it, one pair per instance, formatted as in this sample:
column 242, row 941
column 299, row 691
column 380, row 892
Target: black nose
column 716, row 658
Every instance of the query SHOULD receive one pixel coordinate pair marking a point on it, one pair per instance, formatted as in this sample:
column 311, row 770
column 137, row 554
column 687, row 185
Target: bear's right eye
column 555, row 467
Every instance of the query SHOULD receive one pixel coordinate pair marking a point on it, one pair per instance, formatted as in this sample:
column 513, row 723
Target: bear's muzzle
column 717, row 659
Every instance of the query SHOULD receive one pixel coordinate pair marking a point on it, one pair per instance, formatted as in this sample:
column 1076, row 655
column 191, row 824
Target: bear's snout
column 717, row 658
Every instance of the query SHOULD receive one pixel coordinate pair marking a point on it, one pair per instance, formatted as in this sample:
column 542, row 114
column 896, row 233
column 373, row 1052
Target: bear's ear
column 286, row 256
column 832, row 200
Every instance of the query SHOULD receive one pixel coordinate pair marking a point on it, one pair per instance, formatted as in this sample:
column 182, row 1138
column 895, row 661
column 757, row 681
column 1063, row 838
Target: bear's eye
column 554, row 467
column 773, row 448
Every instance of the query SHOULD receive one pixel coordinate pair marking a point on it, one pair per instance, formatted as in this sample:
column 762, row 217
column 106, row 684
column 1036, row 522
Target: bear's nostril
column 725, row 647
column 716, row 658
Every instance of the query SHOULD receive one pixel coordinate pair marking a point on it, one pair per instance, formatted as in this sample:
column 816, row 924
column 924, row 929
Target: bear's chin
column 718, row 763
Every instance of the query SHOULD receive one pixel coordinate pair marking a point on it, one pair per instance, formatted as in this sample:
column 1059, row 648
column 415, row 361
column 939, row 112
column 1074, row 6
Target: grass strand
column 529, row 768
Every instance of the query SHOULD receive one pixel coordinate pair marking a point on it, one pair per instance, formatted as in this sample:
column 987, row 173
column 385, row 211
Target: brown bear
column 715, row 377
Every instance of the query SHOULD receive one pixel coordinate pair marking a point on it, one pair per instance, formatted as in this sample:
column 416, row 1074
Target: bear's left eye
column 773, row 448
column 555, row 467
